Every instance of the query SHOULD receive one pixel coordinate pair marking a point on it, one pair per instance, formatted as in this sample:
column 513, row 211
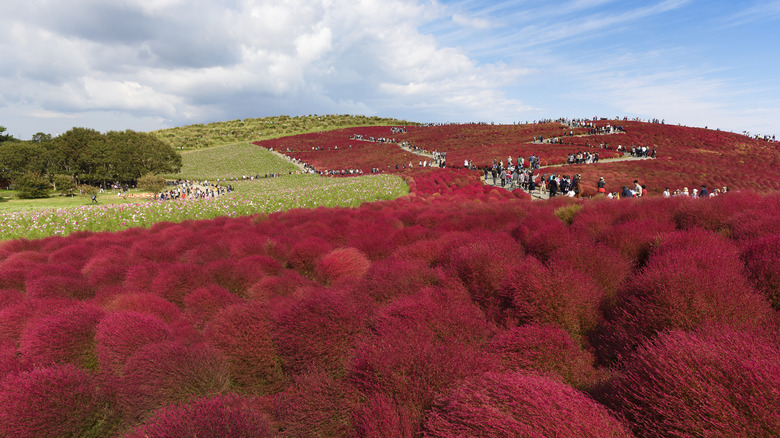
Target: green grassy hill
column 231, row 160
column 219, row 133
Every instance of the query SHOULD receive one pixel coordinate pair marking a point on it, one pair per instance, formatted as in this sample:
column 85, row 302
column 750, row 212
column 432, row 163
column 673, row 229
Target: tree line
column 82, row 156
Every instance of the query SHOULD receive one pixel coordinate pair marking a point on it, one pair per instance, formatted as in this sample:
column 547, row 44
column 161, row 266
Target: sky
column 152, row 64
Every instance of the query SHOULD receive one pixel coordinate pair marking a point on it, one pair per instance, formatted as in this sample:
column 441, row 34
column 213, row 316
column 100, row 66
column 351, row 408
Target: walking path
column 538, row 194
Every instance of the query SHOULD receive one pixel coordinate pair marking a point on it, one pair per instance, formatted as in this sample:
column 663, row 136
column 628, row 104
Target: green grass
column 248, row 130
column 251, row 197
column 11, row 203
column 232, row 161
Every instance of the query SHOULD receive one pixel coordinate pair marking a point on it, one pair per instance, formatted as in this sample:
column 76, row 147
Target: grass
column 11, row 203
column 251, row 197
column 232, row 161
column 219, row 133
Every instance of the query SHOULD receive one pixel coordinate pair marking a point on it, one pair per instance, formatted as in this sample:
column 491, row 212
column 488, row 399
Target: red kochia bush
column 203, row 303
column 145, row 303
column 545, row 349
column 222, row 416
column 56, row 401
column 763, row 266
column 177, row 280
column 515, row 404
column 120, row 334
column 306, row 253
column 319, row 330
column 390, row 278
column 714, row 382
column 170, row 372
column 242, row 333
column 15, row 317
column 555, row 294
column 64, row 337
column 342, row 264
column 421, row 345
column 693, row 278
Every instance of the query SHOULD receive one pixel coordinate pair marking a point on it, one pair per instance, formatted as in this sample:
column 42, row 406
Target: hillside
column 253, row 129
column 460, row 309
column 232, row 161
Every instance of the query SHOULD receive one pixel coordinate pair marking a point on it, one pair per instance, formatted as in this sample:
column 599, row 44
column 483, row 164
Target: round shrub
column 319, row 330
column 342, row 264
column 177, row 280
column 145, row 303
column 67, row 336
column 242, row 333
column 221, row 416
column 120, row 334
column 715, row 382
column 394, row 277
column 516, row 404
column 170, row 372
column 55, row 401
column 203, row 303
column 763, row 268
column 545, row 349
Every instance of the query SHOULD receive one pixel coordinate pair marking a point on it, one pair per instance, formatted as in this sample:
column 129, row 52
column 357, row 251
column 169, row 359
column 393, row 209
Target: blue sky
column 150, row 64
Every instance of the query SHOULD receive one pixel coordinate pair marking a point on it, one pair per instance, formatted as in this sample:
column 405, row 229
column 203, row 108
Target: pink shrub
column 120, row 334
column 63, row 337
column 608, row 268
column 107, row 266
column 167, row 373
column 221, row 416
column 635, row 238
column 342, row 264
column 58, row 286
column 515, row 404
column 15, row 317
column 145, row 303
column 140, row 275
column 317, row 404
column 714, row 382
column 542, row 234
column 762, row 266
column 10, row 297
column 242, row 333
column 207, row 251
column 153, row 248
column 9, row 359
column 55, row 401
column 203, row 303
column 305, row 254
column 281, row 285
column 238, row 275
column 380, row 416
column 74, row 254
column 545, row 349
column 319, row 330
column 177, row 280
column 421, row 345
column 391, row 278
column 481, row 265
column 684, row 285
column 556, row 294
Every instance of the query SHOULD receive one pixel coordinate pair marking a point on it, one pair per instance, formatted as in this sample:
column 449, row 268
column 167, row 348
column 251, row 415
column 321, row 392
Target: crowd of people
column 190, row 189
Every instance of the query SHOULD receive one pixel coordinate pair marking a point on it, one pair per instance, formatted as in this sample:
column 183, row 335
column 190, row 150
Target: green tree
column 31, row 185
column 65, row 184
column 41, row 137
column 5, row 137
column 151, row 183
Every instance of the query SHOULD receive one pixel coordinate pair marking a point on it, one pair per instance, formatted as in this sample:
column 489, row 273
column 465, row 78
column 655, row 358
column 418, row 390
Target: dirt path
column 279, row 154
column 537, row 194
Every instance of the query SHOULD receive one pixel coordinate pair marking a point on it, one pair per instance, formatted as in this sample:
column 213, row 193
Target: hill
column 252, row 129
column 232, row 161
column 459, row 310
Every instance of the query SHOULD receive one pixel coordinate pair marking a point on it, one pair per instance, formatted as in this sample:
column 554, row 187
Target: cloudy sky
column 150, row 64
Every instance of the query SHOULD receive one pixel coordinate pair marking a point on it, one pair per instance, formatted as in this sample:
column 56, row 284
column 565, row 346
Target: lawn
column 251, row 197
column 231, row 161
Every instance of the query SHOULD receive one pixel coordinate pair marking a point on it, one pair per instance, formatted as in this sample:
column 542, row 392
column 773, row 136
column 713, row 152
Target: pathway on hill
column 290, row 159
column 537, row 194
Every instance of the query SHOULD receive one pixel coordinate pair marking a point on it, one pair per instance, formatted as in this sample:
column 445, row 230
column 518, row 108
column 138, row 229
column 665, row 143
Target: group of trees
column 82, row 156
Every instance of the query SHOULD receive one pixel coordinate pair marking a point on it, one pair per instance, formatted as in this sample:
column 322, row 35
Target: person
column 94, row 199
column 666, row 193
column 637, row 188
column 601, row 185
column 553, row 187
column 626, row 192
column 703, row 190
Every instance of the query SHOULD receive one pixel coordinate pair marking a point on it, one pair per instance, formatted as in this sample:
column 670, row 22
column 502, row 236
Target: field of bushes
column 457, row 310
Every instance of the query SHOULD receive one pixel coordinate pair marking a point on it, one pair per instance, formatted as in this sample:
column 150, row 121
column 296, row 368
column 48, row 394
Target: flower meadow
column 251, row 197
column 457, row 310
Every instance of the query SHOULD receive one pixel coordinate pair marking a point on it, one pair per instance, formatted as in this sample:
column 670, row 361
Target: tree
column 5, row 137
column 31, row 185
column 41, row 137
column 151, row 183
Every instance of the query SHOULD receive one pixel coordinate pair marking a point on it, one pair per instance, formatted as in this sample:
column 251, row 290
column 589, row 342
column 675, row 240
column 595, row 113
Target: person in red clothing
column 601, row 185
